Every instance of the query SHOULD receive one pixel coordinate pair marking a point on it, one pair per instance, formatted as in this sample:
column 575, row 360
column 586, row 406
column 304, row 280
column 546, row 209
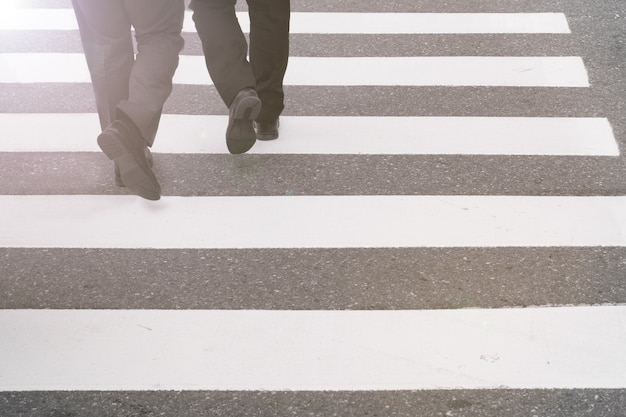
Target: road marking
column 28, row 68
column 71, row 132
column 439, row 71
column 337, row 23
column 344, row 71
column 103, row 221
column 428, row 23
column 109, row 350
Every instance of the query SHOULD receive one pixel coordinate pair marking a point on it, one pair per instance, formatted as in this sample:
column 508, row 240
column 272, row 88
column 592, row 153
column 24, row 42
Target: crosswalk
column 362, row 23
column 351, row 71
column 319, row 350
column 333, row 135
column 313, row 222
column 382, row 252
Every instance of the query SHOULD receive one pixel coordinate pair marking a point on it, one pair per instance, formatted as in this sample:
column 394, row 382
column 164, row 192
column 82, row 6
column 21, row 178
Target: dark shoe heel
column 267, row 130
column 118, row 176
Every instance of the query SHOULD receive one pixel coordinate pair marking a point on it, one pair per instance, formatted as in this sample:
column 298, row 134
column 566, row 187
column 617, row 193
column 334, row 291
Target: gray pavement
column 493, row 403
column 422, row 278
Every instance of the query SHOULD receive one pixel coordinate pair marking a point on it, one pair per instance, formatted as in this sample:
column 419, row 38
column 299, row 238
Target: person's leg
column 131, row 94
column 224, row 46
column 105, row 32
column 269, row 53
column 225, row 51
column 158, row 25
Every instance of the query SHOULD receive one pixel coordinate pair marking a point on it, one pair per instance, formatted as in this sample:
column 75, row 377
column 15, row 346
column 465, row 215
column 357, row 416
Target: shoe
column 118, row 179
column 123, row 144
column 240, row 134
column 267, row 130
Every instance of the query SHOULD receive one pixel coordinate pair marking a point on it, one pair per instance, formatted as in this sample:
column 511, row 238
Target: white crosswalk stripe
column 63, row 19
column 312, row 221
column 541, row 347
column 314, row 350
column 410, row 71
column 335, row 135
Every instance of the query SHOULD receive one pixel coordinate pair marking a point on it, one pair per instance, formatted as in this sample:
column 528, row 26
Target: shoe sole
column 139, row 180
column 240, row 134
column 267, row 136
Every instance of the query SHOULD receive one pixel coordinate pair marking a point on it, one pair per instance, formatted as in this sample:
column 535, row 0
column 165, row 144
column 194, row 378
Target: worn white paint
column 101, row 221
column 72, row 132
column 337, row 71
column 345, row 23
column 532, row 348
column 427, row 23
column 438, row 71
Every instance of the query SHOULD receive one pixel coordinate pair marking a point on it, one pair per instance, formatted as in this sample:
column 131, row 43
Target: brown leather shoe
column 267, row 130
column 240, row 135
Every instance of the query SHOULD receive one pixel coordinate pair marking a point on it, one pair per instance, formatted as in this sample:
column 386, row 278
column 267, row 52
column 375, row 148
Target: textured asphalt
column 421, row 278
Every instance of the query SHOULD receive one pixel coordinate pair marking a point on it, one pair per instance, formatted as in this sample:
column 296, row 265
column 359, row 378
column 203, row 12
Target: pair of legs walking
column 131, row 90
column 253, row 90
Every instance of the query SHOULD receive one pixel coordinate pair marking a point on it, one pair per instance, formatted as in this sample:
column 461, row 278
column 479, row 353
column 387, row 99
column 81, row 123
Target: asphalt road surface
column 439, row 231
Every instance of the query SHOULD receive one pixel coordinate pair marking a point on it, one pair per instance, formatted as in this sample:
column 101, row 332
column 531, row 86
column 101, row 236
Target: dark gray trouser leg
column 269, row 53
column 224, row 45
column 225, row 49
column 138, row 87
